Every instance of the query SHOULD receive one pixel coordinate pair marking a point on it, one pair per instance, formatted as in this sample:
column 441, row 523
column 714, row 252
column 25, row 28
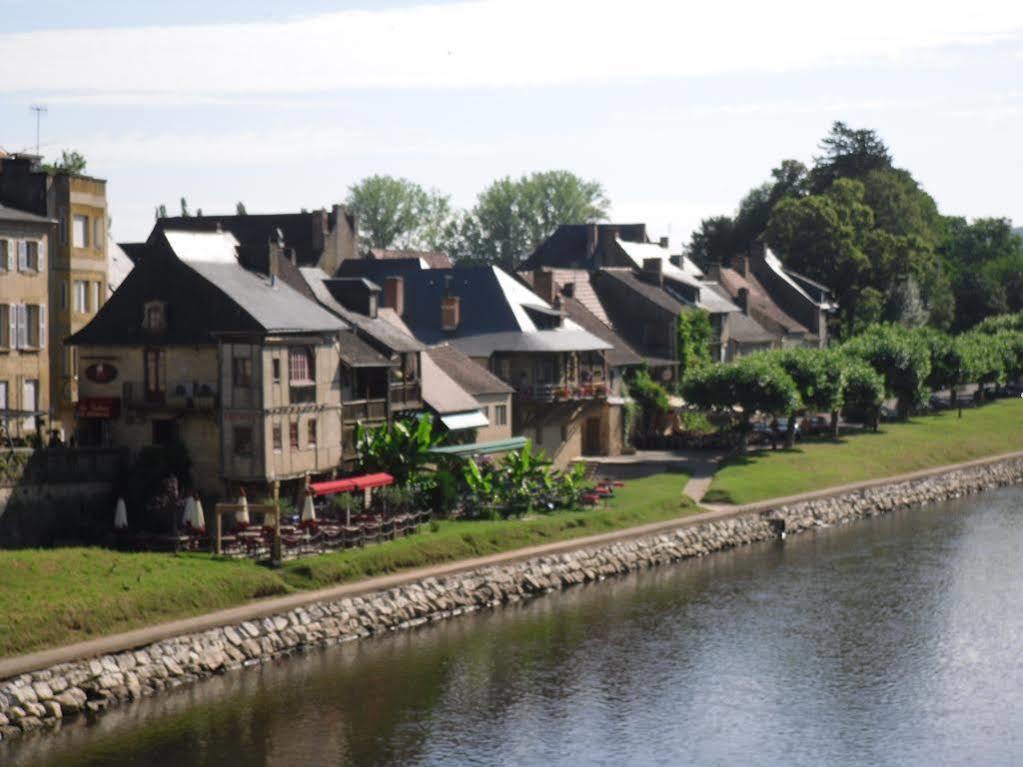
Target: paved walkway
column 700, row 465
column 10, row 667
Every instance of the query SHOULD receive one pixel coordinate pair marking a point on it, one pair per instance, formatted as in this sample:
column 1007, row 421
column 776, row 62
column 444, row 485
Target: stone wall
column 43, row 698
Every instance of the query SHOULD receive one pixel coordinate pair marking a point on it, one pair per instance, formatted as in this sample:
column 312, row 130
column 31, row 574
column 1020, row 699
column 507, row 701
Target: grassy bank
column 60, row 596
column 898, row 448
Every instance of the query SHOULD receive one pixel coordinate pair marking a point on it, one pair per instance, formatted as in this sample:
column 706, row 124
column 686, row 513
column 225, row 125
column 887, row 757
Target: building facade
column 77, row 263
column 24, row 338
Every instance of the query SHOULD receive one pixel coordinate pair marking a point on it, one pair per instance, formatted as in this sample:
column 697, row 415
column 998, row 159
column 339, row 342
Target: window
column 504, row 369
column 500, row 415
column 97, row 238
column 276, row 370
column 300, row 366
column 276, row 439
column 293, row 434
column 163, row 431
column 156, row 381
column 3, row 395
column 241, row 371
column 80, row 232
column 5, row 255
column 33, row 323
column 5, row 326
column 155, row 316
column 81, row 296
column 243, row 441
column 31, row 248
column 94, row 303
column 311, row 433
column 30, row 402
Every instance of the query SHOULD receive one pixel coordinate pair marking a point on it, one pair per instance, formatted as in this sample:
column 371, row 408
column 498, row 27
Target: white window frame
column 80, row 220
column 81, row 291
column 500, row 415
column 5, row 394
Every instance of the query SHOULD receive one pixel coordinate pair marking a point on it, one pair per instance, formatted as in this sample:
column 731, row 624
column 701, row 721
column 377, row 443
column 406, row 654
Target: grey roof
column 650, row 292
column 380, row 330
column 8, row 213
column 470, row 375
column 746, row 330
column 356, row 353
column 441, row 392
column 561, row 340
column 620, row 354
column 714, row 299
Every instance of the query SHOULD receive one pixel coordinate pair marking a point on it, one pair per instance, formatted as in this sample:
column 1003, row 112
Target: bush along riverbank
column 41, row 699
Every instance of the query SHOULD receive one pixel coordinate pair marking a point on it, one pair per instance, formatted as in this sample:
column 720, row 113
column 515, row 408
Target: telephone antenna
column 40, row 110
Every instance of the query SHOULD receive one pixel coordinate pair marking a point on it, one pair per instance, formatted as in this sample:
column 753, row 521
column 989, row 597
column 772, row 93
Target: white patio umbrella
column 120, row 515
column 242, row 517
column 186, row 516
column 308, row 510
column 198, row 518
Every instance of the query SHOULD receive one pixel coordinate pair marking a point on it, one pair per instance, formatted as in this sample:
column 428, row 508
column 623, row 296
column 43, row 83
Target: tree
column 714, row 242
column 400, row 449
column 985, row 263
column 651, row 397
column 863, row 390
column 904, row 304
column 848, row 153
column 70, row 162
column 512, row 217
column 755, row 384
column 161, row 211
column 184, row 208
column 694, row 337
column 397, row 212
column 239, row 209
column 901, row 357
column 819, row 377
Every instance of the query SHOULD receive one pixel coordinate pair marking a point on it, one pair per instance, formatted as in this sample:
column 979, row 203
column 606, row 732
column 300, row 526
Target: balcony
column 561, row 392
column 302, row 394
column 405, row 395
column 367, row 410
column 179, row 396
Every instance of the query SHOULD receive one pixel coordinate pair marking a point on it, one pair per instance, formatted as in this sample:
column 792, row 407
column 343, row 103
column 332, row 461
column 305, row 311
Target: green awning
column 482, row 448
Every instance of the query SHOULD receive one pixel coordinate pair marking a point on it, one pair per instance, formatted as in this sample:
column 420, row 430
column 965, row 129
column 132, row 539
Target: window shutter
column 42, row 326
column 23, row 326
column 41, row 257
column 22, row 255
column 15, row 326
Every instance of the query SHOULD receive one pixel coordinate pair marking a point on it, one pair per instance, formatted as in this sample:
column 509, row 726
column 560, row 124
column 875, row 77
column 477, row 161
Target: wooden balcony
column 561, row 392
column 406, row 395
column 366, row 410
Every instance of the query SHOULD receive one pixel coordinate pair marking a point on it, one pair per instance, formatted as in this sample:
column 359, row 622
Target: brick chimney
column 450, row 307
column 653, row 270
column 543, row 284
column 742, row 300
column 394, row 294
column 712, row 272
column 591, row 240
column 741, row 265
column 664, row 242
column 275, row 252
column 606, row 236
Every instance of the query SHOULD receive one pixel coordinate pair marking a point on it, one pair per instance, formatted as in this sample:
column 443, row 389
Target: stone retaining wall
column 44, row 698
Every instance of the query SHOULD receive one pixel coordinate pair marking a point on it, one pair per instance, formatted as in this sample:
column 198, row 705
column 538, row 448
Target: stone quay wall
column 44, row 698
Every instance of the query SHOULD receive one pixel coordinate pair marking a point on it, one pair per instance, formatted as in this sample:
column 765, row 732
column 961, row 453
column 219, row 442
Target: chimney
column 742, row 300
column 394, row 294
column 568, row 289
column 591, row 240
column 275, row 253
column 606, row 236
column 450, row 312
column 450, row 307
column 653, row 270
column 676, row 260
column 544, row 285
column 758, row 251
column 664, row 242
column 741, row 265
column 713, row 272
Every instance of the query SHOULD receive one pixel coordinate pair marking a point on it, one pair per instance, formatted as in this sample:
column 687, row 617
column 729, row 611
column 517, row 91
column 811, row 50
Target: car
column 816, row 425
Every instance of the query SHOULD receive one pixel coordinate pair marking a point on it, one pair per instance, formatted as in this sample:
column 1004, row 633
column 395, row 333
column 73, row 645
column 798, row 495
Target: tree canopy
column 70, row 161
column 397, row 212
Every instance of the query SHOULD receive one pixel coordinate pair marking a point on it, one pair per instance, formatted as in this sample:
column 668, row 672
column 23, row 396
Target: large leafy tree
column 511, row 217
column 863, row 389
column 848, row 153
column 397, row 212
column 984, row 260
column 902, row 357
column 819, row 376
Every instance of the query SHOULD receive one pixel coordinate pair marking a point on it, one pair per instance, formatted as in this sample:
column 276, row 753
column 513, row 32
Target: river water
column 891, row 641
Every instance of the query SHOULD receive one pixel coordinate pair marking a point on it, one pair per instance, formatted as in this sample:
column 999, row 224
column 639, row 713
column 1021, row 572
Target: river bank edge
column 40, row 697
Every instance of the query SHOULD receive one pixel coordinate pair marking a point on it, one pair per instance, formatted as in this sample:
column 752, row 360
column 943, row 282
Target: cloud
column 495, row 43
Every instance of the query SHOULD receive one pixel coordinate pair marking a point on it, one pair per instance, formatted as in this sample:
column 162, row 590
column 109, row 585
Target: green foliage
column 694, row 338
column 512, row 216
column 401, row 449
column 239, row 209
column 862, row 390
column 71, row 162
column 143, row 484
column 985, row 262
column 903, row 358
column 1001, row 322
column 397, row 212
column 848, row 153
column 650, row 397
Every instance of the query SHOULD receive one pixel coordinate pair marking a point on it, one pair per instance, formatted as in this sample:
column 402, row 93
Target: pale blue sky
column 677, row 111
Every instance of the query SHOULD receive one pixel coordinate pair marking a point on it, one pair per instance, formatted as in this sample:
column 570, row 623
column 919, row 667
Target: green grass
column 898, row 448
column 59, row 596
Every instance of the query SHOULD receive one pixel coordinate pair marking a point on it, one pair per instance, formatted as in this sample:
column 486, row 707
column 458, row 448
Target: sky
column 677, row 108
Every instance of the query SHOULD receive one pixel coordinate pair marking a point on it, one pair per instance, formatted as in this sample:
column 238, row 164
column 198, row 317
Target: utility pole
column 40, row 110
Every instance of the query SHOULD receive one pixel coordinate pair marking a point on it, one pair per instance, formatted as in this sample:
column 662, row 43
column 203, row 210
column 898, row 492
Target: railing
column 402, row 393
column 364, row 410
column 301, row 395
column 178, row 397
column 561, row 392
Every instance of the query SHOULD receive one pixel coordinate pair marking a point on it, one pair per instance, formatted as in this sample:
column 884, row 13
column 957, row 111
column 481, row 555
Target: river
column 891, row 641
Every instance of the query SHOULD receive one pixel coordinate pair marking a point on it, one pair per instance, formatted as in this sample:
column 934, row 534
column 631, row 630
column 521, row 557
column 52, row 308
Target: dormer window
column 155, row 316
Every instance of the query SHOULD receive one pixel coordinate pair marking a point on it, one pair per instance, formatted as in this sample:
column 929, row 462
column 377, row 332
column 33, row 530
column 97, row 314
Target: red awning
column 351, row 483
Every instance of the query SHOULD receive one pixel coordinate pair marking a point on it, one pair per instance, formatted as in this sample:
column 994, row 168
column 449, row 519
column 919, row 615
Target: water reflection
column 895, row 640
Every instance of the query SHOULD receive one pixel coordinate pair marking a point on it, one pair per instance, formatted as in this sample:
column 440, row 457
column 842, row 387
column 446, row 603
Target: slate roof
column 759, row 304
column 434, row 259
column 746, row 330
column 441, row 392
column 470, row 375
column 652, row 293
column 206, row 292
column 582, row 288
column 376, row 328
column 134, row 250
column 566, row 247
column 620, row 354
column 8, row 213
column 356, row 353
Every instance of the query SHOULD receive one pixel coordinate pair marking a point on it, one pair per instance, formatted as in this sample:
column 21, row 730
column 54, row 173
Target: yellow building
column 24, row 360
column 77, row 262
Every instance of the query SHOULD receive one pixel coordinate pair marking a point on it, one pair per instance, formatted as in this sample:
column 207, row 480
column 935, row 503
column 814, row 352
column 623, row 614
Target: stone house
column 76, row 260
column 24, row 300
column 201, row 345
column 493, row 396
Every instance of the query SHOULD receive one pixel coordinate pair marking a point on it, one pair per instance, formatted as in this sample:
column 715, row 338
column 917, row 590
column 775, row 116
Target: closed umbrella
column 186, row 517
column 308, row 510
column 242, row 517
column 199, row 519
column 120, row 515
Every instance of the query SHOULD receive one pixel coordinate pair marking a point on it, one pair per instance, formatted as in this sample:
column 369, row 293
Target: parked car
column 816, row 425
